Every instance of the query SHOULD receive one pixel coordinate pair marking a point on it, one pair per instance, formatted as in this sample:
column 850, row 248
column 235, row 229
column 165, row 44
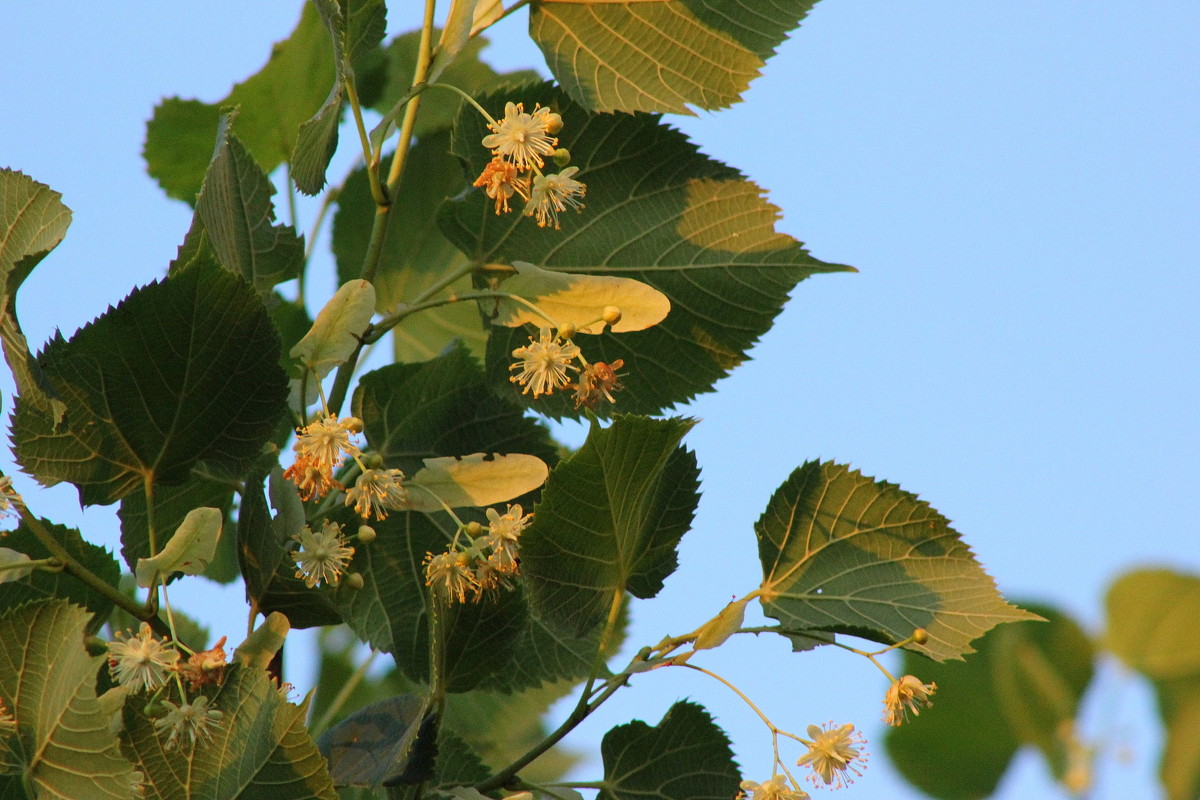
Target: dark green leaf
column 33, row 220
column 63, row 743
column 261, row 751
column 356, row 27
column 275, row 101
column 1022, row 687
column 610, row 518
column 415, row 254
column 657, row 211
column 182, row 371
column 392, row 741
column 684, row 757
column 661, row 56
column 171, row 505
column 40, row 585
column 442, row 407
column 842, row 552
column 267, row 564
column 234, row 219
column 1179, row 705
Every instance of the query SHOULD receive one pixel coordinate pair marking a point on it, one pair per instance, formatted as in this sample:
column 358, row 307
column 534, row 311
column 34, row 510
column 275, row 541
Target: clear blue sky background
column 1018, row 184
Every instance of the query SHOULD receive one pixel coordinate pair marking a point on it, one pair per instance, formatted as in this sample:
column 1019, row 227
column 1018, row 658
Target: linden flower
column 312, row 481
column 10, row 499
column 195, row 721
column 524, row 139
column 323, row 556
column 903, row 696
column 597, row 380
column 504, row 531
column 544, row 363
column 326, row 442
column 833, row 753
column 552, row 194
column 450, row 576
column 775, row 789
column 141, row 661
column 205, row 667
column 501, row 181
column 378, row 490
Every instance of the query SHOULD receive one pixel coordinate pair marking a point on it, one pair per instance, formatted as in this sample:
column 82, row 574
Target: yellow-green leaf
column 579, row 300
column 1152, row 616
column 9, row 572
column 262, row 645
column 334, row 335
column 474, row 480
column 190, row 549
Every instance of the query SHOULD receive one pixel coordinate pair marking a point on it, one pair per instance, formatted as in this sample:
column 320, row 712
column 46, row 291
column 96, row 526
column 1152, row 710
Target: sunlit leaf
column 474, row 480
column 1152, row 618
column 1023, row 687
column 842, row 552
column 610, row 519
column 335, row 332
column 684, row 757
column 33, row 220
column 190, row 548
column 171, row 505
column 659, row 212
column 579, row 300
column 10, row 565
column 63, row 744
column 487, row 12
column 260, row 750
column 182, row 371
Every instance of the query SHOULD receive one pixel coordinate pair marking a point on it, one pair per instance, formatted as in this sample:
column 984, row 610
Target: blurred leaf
column 356, row 28
column 658, row 212
column 171, row 506
column 189, row 550
column 268, row 566
column 234, row 220
column 579, row 300
column 610, row 519
column 63, row 743
column 41, row 585
column 442, row 407
column 260, row 750
column 487, row 12
column 415, row 254
column 1179, row 705
column 182, row 371
column 1152, row 619
column 392, row 741
column 274, row 102
column 1024, row 686
column 260, row 647
column 474, row 480
column 33, row 220
column 842, row 552
column 684, row 757
column 660, row 56
column 9, row 572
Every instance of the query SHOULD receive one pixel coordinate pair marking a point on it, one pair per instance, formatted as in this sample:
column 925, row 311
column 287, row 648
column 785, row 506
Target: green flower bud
column 366, row 534
column 562, row 157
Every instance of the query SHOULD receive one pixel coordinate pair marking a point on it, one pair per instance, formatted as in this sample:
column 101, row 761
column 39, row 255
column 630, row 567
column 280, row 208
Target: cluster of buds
column 520, row 143
column 485, row 566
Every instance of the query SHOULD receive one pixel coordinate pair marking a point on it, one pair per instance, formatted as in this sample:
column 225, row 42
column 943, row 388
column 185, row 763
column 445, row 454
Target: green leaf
column 63, row 745
column 392, row 609
column 234, row 218
column 442, row 407
column 260, row 647
column 33, row 220
column 182, row 371
column 659, row 212
column 40, row 585
column 275, row 101
column 356, row 28
column 266, row 563
column 415, row 254
column 336, row 332
column 474, row 480
column 684, row 757
column 261, row 751
column 842, row 552
column 438, row 106
column 610, row 518
column 189, row 550
column 171, row 506
column 391, row 741
column 1179, row 705
column 579, row 300
column 660, row 56
column 1152, row 617
column 1024, row 686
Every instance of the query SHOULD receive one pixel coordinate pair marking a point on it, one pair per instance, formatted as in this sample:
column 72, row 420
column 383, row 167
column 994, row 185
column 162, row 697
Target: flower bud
column 366, row 534
column 567, row 331
column 562, row 157
column 373, row 460
column 473, row 529
column 354, row 581
column 611, row 315
column 920, row 636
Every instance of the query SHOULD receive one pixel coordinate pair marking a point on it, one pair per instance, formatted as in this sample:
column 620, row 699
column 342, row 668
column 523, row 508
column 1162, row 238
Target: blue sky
column 1019, row 187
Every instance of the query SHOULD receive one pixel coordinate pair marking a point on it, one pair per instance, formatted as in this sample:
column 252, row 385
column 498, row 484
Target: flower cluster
column 141, row 661
column 904, row 696
column 204, row 668
column 323, row 555
column 520, row 143
column 321, row 446
column 775, row 789
column 833, row 753
column 195, row 720
column 10, row 499
column 485, row 566
column 545, row 363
